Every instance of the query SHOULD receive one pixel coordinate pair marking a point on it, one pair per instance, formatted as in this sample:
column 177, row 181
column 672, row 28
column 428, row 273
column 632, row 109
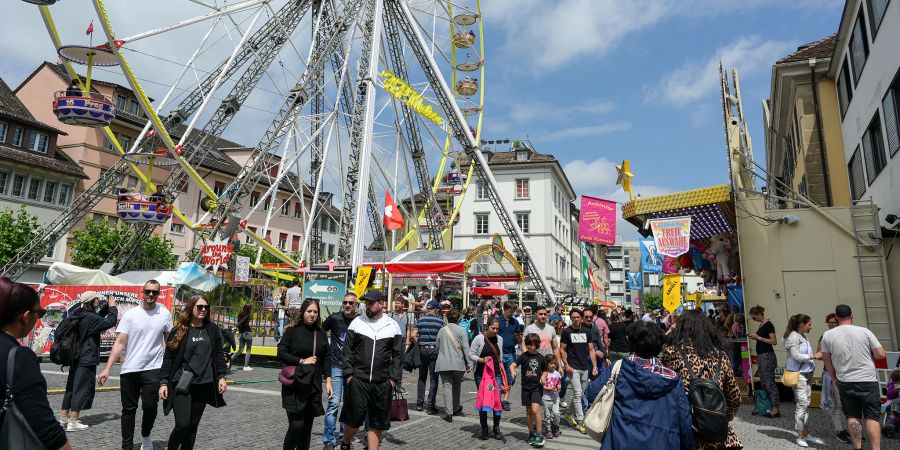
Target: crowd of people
column 675, row 380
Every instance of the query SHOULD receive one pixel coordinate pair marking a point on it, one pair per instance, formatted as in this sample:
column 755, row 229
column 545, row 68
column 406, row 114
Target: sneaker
column 580, row 428
column 843, row 436
column 247, row 369
column 447, row 418
column 432, row 411
column 63, row 420
column 802, row 442
column 563, row 405
column 570, row 420
column 346, row 446
column 531, row 439
column 146, row 443
column 814, row 440
column 420, row 407
column 538, row 441
column 76, row 426
column 549, row 434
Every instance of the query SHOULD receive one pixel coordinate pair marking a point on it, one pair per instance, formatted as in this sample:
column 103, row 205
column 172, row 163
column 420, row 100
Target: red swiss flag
column 392, row 218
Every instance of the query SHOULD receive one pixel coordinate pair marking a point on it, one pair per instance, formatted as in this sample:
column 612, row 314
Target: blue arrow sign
column 328, row 287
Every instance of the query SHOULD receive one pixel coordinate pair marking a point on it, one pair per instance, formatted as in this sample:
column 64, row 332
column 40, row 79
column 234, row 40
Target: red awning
column 491, row 289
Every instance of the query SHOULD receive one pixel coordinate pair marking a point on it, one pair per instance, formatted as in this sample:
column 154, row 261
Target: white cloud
column 585, row 131
column 694, row 80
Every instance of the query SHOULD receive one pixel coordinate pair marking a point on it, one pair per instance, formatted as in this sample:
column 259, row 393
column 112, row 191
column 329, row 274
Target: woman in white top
column 800, row 359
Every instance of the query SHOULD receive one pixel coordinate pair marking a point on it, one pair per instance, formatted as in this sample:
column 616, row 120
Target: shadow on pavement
column 97, row 419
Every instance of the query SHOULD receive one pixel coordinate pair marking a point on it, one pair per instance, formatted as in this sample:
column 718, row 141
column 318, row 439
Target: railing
column 264, row 324
column 80, row 93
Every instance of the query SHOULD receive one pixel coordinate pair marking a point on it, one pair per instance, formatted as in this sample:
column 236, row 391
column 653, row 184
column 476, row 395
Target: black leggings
column 482, row 417
column 188, row 409
column 299, row 430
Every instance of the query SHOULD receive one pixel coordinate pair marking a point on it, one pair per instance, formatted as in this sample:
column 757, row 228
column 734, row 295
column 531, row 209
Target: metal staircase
column 873, row 272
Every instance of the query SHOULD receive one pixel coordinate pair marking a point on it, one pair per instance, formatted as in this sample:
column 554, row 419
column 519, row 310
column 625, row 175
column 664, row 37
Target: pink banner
column 597, row 222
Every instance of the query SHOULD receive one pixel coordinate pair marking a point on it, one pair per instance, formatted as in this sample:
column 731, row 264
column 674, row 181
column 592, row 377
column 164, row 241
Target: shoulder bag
column 14, row 429
column 496, row 352
column 458, row 346
column 288, row 374
column 596, row 420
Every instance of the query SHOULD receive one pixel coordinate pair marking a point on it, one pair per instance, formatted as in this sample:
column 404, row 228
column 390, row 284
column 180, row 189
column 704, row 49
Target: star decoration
column 625, row 176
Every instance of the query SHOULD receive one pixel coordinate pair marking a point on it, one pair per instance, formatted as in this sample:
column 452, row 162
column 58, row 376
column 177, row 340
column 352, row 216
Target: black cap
column 374, row 296
column 842, row 311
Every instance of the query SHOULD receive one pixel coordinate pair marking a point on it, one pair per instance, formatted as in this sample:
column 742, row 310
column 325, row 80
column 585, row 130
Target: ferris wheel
column 350, row 97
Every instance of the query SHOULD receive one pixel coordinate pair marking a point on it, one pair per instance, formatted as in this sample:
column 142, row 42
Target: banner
column 585, row 269
column 597, row 222
column 672, row 235
column 651, row 261
column 635, row 281
column 241, row 269
column 216, row 253
column 58, row 300
column 672, row 292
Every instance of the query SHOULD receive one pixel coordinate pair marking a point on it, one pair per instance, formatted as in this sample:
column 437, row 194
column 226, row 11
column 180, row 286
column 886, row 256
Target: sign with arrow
column 328, row 287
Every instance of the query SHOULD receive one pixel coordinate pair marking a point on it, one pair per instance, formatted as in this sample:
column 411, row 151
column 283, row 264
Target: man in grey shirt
column 849, row 352
column 545, row 331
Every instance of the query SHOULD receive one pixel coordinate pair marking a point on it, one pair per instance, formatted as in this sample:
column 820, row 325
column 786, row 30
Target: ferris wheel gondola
column 81, row 107
column 147, row 207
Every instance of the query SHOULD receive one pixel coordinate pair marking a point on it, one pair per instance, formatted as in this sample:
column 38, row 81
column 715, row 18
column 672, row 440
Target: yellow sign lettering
column 400, row 89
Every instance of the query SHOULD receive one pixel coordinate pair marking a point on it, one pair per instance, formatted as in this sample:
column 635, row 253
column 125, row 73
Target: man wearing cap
column 372, row 368
column 428, row 327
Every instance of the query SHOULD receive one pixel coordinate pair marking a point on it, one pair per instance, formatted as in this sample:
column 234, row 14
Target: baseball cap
column 373, row 296
column 433, row 305
column 87, row 296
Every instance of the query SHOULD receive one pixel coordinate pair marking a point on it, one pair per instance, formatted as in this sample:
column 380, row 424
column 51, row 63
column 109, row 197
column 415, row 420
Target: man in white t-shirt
column 142, row 334
column 294, row 297
column 849, row 352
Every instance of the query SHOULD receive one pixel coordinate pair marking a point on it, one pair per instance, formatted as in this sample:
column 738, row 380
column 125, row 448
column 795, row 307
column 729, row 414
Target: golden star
column 625, row 176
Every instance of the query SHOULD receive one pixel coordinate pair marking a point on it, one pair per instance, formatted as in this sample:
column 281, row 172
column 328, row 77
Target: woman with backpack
column 94, row 316
column 452, row 362
column 246, row 336
column 800, row 359
column 696, row 341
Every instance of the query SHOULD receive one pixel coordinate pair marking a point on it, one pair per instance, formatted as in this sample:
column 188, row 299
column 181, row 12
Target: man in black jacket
column 372, row 368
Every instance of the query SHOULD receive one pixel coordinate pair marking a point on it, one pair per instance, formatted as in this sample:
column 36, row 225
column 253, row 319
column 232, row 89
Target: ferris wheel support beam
column 320, row 12
column 403, row 16
column 187, row 22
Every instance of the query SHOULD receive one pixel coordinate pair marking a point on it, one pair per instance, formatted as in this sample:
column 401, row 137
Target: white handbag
column 596, row 420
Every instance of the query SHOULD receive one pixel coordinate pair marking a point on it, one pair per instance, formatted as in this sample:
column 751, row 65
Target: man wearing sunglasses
column 142, row 334
column 337, row 324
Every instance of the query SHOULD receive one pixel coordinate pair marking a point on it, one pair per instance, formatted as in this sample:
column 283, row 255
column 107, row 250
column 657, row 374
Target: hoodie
column 90, row 326
column 372, row 350
column 650, row 410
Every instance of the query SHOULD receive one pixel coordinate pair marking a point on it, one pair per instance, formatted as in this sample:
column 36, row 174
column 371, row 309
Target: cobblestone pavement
column 254, row 419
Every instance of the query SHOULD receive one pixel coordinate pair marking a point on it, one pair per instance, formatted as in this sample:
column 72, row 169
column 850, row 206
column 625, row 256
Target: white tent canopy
column 189, row 274
column 70, row 275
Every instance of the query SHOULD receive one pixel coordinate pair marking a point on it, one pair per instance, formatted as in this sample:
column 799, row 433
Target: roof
column 508, row 158
column 12, row 107
column 61, row 71
column 677, row 200
column 60, row 163
column 820, row 49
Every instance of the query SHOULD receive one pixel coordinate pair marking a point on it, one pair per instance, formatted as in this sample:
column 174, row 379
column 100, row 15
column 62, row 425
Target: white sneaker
column 76, row 426
column 247, row 368
column 146, row 443
column 814, row 440
column 63, row 421
column 802, row 442
column 563, row 405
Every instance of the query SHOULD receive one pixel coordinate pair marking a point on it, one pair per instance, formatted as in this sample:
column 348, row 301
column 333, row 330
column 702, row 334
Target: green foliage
column 92, row 246
column 17, row 229
column 249, row 250
column 158, row 249
column 651, row 301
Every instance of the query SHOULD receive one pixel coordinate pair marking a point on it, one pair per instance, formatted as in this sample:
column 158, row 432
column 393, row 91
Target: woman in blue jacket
column 651, row 409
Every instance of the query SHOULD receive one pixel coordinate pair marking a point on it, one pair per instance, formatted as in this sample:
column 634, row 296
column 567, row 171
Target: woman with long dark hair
column 245, row 336
column 193, row 371
column 697, row 340
column 800, row 359
column 765, row 356
column 304, row 345
column 20, row 309
column 486, row 348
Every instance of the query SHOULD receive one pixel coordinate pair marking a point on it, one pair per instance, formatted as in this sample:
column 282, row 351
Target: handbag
column 412, row 360
column 399, row 408
column 14, row 429
column 790, row 378
column 184, row 381
column 288, row 374
column 596, row 420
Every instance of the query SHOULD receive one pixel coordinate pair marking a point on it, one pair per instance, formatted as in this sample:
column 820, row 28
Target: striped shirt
column 428, row 327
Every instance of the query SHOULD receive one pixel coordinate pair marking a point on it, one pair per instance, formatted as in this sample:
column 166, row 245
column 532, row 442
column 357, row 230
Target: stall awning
column 711, row 210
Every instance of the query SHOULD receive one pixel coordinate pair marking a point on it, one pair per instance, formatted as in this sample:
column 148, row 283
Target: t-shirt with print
column 533, row 366
column 198, row 354
column 577, row 351
column 553, row 381
column 547, row 334
column 851, row 348
column 337, row 325
column 146, row 341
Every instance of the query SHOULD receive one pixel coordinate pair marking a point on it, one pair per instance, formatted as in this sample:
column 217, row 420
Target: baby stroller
column 228, row 346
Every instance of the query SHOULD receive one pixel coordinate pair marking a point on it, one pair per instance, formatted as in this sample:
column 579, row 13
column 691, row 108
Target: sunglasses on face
column 151, row 291
column 349, row 303
column 201, row 307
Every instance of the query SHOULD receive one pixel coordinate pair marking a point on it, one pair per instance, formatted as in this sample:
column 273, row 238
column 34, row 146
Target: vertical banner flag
column 597, row 222
column 672, row 235
column 651, row 261
column 635, row 281
column 241, row 269
column 392, row 218
column 363, row 279
column 593, row 281
column 585, row 269
column 672, row 292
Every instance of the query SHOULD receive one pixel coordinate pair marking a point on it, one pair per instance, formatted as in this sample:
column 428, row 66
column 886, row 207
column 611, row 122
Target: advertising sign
column 635, row 281
column 651, row 260
column 597, row 222
column 328, row 287
column 363, row 277
column 672, row 235
column 672, row 292
column 241, row 269
column 58, row 300
column 216, row 253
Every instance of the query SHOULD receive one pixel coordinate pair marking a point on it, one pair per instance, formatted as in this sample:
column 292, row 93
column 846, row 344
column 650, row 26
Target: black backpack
column 709, row 410
column 66, row 348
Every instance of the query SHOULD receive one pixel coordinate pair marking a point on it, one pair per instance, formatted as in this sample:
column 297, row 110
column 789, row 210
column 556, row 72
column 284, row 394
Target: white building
column 540, row 196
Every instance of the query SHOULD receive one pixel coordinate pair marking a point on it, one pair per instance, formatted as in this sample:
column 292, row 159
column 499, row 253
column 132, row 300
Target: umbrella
column 491, row 290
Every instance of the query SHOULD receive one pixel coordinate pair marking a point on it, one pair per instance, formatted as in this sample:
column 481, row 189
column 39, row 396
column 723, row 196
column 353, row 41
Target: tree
column 17, row 229
column 93, row 245
column 651, row 300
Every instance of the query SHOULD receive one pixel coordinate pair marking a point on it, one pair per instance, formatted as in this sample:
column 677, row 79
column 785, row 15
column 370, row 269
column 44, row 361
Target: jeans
column 331, row 411
column 133, row 386
column 188, row 409
column 426, row 371
column 802, row 393
column 508, row 359
column 299, row 431
column 563, row 387
column 245, row 339
column 452, row 384
column 579, row 380
column 551, row 414
column 838, row 420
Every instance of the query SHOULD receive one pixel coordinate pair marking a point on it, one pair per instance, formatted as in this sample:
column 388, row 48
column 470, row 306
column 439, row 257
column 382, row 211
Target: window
column 331, row 248
column 254, row 199
column 17, row 137
column 126, row 142
column 219, row 188
column 615, row 263
column 34, row 188
column 295, row 243
column 845, row 91
column 481, row 224
column 876, row 13
column 133, row 108
column 523, row 222
column 332, row 225
column 4, row 177
column 857, row 177
column 120, row 103
column 177, row 228
column 285, row 207
column 282, row 241
column 109, row 145
column 522, row 155
column 891, row 118
column 50, row 192
column 480, row 191
column 298, row 210
column 521, row 187
column 3, row 128
column 65, row 194
column 38, row 142
column 267, row 203
column 616, row 276
column 873, row 150
column 859, row 47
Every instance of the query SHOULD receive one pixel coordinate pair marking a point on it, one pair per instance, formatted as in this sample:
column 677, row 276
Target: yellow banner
column 363, row 275
column 672, row 292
